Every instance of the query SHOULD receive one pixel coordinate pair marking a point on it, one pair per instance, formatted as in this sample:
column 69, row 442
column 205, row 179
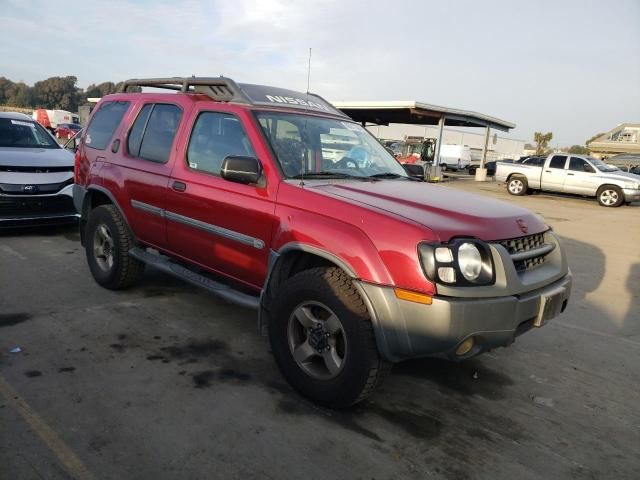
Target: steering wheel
column 347, row 162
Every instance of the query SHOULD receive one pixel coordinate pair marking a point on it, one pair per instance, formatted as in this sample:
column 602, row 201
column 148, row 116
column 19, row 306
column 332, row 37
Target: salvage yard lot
column 164, row 381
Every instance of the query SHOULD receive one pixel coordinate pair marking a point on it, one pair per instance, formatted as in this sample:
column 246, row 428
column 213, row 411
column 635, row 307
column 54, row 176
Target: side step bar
column 165, row 264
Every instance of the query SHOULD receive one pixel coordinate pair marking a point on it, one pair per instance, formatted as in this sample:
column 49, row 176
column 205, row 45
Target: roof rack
column 221, row 89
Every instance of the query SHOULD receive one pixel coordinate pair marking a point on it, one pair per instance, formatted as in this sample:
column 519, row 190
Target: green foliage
column 542, row 142
column 578, row 149
column 53, row 93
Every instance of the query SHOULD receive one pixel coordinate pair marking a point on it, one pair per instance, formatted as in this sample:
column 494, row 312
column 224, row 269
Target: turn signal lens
column 413, row 296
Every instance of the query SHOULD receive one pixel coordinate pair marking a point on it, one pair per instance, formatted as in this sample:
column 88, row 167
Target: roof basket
column 221, row 89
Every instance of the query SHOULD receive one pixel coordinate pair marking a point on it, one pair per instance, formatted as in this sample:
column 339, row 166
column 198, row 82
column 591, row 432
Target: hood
column 35, row 157
column 445, row 211
column 620, row 175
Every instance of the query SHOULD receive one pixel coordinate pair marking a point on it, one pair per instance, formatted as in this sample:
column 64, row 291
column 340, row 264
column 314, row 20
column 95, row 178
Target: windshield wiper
column 325, row 174
column 392, row 175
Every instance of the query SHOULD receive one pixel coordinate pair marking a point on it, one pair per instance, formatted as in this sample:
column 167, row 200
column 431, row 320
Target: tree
column 542, row 141
column 579, row 149
column 57, row 92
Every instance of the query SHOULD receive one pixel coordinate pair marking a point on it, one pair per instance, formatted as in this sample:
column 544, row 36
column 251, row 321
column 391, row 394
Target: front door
column 554, row 174
column 221, row 225
column 581, row 177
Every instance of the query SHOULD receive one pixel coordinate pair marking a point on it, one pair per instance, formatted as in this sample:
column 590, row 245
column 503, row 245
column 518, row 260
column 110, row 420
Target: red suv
column 275, row 200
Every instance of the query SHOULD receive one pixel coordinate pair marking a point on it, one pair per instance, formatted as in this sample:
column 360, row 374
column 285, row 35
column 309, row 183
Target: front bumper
column 32, row 210
column 407, row 330
column 631, row 195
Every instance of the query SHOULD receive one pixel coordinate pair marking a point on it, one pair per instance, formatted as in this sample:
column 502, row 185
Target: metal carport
column 419, row 113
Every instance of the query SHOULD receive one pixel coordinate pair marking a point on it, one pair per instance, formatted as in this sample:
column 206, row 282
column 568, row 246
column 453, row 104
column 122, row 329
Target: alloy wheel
column 317, row 340
column 103, row 247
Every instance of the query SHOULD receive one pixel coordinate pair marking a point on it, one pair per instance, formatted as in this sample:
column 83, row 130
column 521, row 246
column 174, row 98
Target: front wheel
column 610, row 196
column 107, row 246
column 517, row 185
column 322, row 338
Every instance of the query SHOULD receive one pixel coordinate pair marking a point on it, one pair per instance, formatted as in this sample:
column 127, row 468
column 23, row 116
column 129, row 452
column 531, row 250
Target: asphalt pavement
column 164, row 381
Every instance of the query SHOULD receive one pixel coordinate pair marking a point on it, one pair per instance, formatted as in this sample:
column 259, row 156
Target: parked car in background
column 349, row 262
column 627, row 162
column 490, row 166
column 36, row 174
column 577, row 174
column 67, row 130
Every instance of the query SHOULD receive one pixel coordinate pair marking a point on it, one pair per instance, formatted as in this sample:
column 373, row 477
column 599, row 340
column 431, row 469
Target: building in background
column 499, row 147
column 625, row 138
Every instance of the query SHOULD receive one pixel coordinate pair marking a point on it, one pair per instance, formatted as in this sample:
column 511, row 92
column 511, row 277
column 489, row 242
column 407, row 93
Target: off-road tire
column 363, row 366
column 610, row 196
column 125, row 270
column 517, row 185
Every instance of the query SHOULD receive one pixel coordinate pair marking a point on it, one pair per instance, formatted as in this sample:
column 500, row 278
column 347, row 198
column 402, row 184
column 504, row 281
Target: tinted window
column 214, row 137
column 158, row 135
column 104, row 123
column 577, row 164
column 558, row 161
column 135, row 135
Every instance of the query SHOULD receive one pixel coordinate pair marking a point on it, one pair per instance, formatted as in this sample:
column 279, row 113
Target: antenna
column 304, row 129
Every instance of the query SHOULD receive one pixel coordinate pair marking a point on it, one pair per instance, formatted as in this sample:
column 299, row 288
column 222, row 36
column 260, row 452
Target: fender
column 86, row 196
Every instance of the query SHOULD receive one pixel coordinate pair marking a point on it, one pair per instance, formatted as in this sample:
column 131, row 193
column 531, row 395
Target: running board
column 165, row 264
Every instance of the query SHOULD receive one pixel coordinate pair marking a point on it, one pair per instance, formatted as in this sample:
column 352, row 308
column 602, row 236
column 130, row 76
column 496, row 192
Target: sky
column 569, row 67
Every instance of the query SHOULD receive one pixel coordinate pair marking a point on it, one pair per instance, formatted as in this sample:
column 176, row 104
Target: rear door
column 554, row 174
column 140, row 164
column 581, row 177
column 220, row 225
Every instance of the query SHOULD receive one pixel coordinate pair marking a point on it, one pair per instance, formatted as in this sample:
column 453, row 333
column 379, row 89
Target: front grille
column 525, row 244
column 32, row 206
column 34, row 189
column 31, row 169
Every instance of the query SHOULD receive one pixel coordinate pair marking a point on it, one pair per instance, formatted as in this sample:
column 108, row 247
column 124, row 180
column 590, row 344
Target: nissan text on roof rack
column 278, row 202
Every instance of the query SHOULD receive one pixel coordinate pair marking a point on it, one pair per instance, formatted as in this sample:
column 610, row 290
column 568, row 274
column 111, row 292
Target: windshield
column 600, row 165
column 308, row 145
column 24, row 134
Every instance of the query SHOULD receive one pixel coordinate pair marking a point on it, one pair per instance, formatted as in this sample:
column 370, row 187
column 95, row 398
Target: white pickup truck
column 577, row 174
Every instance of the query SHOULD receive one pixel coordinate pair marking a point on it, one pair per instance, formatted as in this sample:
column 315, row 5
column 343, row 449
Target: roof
column 223, row 89
column 414, row 112
column 16, row 116
column 624, row 138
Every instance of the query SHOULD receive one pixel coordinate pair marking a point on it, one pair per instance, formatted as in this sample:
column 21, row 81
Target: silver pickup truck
column 577, row 174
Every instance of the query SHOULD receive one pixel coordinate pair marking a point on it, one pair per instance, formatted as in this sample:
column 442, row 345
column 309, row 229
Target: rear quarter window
column 104, row 123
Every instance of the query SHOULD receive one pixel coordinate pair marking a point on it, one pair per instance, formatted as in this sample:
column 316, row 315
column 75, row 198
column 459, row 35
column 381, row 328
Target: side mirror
column 239, row 169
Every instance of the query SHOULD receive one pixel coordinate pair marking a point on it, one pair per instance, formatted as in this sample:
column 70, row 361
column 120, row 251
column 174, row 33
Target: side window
column 104, row 123
column 577, row 164
column 558, row 161
column 159, row 132
column 135, row 135
column 215, row 136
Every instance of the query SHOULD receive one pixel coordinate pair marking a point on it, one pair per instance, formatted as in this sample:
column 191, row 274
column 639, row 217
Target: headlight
column 469, row 261
column 462, row 262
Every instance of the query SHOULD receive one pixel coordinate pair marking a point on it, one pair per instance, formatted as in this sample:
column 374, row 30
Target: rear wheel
column 610, row 196
column 107, row 246
column 517, row 185
column 322, row 338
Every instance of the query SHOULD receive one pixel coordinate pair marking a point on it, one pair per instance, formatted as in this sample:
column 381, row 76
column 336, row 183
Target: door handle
column 548, row 171
column 179, row 186
column 570, row 174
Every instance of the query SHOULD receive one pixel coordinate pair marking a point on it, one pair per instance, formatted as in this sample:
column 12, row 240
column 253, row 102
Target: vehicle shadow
column 68, row 230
